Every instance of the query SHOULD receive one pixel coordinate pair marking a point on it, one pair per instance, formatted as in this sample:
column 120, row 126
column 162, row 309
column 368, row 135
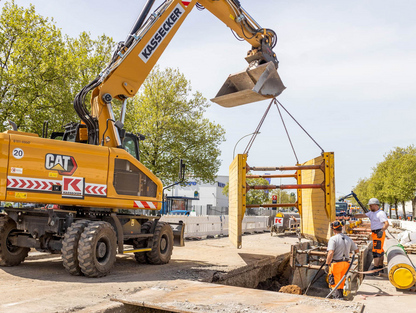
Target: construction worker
column 337, row 261
column 379, row 224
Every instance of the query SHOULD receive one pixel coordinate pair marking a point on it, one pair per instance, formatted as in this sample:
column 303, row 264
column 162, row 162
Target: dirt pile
column 293, row 289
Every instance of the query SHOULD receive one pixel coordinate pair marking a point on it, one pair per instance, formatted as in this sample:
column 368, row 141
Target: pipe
column 310, row 252
column 401, row 272
column 286, row 168
column 273, row 176
column 311, row 266
column 303, row 186
column 268, row 205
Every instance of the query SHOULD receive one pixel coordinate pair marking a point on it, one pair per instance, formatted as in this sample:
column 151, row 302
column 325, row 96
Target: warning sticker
column 20, row 195
column 16, row 170
column 73, row 187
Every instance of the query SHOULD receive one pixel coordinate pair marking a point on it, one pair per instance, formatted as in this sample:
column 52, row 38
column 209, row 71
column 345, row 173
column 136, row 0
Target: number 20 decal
column 18, row 153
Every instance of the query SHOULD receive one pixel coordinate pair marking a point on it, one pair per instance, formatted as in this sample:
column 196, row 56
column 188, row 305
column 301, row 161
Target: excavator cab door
column 256, row 84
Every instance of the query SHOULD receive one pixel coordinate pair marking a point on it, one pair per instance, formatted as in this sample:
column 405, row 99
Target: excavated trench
column 266, row 273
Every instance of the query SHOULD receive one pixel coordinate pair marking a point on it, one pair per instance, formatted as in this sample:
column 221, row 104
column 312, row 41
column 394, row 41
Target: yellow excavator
column 94, row 173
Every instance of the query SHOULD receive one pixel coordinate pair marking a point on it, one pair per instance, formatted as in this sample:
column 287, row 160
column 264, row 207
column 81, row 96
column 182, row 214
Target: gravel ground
column 41, row 284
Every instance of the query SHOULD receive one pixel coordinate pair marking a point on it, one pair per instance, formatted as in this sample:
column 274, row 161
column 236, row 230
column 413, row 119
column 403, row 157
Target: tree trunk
column 404, row 210
column 395, row 209
column 390, row 210
column 414, row 208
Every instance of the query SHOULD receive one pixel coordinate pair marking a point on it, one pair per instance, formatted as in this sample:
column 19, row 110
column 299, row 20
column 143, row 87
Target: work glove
column 326, row 268
column 380, row 234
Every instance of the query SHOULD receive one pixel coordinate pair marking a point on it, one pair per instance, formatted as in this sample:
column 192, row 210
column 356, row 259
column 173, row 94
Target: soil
column 292, row 289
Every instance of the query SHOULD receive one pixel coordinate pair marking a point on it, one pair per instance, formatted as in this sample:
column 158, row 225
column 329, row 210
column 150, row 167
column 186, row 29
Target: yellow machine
column 94, row 173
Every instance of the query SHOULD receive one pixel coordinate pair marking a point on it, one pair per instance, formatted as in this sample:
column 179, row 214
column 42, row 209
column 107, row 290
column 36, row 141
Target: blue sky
column 349, row 68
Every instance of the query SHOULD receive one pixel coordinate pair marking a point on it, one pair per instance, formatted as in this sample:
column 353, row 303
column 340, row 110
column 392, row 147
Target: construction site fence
column 217, row 225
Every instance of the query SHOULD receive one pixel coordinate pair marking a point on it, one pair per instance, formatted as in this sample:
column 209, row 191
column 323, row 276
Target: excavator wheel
column 97, row 249
column 162, row 245
column 141, row 257
column 70, row 247
column 10, row 255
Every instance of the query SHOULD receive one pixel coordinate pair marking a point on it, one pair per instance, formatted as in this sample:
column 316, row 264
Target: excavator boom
column 135, row 58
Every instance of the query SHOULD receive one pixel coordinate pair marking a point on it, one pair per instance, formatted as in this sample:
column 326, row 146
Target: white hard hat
column 373, row 201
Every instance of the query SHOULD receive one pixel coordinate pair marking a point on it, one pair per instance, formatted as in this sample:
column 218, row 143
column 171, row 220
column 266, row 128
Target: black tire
column 162, row 245
column 97, row 249
column 70, row 247
column 141, row 257
column 10, row 255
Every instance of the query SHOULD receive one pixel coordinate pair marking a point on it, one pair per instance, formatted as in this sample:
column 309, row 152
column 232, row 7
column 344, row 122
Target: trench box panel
column 237, row 198
column 317, row 206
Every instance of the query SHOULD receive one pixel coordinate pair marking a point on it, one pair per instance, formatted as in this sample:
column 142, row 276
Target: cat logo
column 64, row 164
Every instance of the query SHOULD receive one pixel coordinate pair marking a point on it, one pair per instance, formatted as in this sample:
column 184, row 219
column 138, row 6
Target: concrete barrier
column 408, row 225
column 216, row 225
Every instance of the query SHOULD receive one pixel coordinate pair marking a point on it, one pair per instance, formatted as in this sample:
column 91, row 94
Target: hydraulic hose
column 343, row 277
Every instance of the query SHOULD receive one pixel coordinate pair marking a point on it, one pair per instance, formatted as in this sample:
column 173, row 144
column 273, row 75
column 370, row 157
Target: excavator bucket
column 260, row 83
column 178, row 233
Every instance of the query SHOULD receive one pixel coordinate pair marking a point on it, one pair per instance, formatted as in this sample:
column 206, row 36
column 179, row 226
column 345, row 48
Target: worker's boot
column 380, row 270
column 338, row 294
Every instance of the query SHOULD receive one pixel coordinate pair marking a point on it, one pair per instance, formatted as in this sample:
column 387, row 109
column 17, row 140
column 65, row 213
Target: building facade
column 200, row 199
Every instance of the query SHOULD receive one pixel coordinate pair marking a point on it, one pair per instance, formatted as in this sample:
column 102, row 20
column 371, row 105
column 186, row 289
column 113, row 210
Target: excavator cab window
column 131, row 143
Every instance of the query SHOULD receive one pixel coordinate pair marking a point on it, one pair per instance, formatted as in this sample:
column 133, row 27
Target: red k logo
column 73, row 187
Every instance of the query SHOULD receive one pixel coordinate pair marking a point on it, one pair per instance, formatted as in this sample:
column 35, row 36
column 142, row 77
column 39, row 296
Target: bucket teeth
column 252, row 85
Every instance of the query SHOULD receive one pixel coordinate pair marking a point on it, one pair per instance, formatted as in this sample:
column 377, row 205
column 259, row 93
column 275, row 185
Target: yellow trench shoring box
column 237, row 199
column 316, row 205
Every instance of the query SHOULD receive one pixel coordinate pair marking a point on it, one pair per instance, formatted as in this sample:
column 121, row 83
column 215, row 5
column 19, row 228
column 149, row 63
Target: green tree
column 41, row 70
column 401, row 176
column 282, row 196
column 257, row 196
column 362, row 191
column 175, row 128
column 253, row 196
column 393, row 180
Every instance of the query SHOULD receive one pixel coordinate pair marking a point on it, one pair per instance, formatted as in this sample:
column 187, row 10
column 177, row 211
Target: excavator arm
column 137, row 55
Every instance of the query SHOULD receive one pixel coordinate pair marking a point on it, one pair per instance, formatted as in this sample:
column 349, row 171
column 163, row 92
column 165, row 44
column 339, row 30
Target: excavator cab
column 254, row 84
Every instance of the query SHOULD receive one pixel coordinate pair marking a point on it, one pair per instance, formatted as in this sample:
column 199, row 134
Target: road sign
column 274, row 198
